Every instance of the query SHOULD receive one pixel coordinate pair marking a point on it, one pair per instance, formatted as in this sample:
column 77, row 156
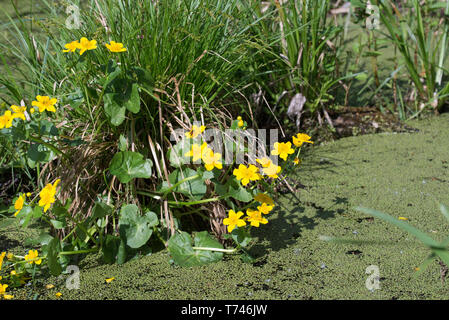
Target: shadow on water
column 7, row 244
column 290, row 222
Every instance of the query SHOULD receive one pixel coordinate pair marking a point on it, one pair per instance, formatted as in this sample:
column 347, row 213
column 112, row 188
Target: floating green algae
column 402, row 174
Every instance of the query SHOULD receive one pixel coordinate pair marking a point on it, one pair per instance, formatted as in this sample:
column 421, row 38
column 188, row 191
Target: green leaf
column 238, row 192
column 241, row 236
column 46, row 128
column 204, row 240
column 114, row 108
column 425, row 239
column 113, row 72
column 132, row 98
column 127, row 165
column 372, row 54
column 38, row 153
column 58, row 224
column 143, row 76
column 247, row 258
column 183, row 254
column 443, row 254
column 221, row 189
column 53, row 249
column 110, row 248
column 25, row 216
column 59, row 210
column 205, row 174
column 195, row 188
column 37, row 212
column 122, row 143
column 176, row 153
column 136, row 229
column 101, row 210
column 43, row 239
column 121, row 254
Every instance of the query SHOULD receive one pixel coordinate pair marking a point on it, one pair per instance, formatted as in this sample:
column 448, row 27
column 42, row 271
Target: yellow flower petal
column 109, row 280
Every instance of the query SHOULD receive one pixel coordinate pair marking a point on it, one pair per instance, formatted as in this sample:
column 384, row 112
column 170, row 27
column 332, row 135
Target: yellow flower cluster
column 3, row 287
column 9, row 115
column 33, row 257
column 85, row 44
column 240, row 121
column 210, row 158
column 47, row 197
column 20, row 112
column 251, row 172
column 254, row 217
column 18, row 205
column 247, row 174
column 44, row 103
column 284, row 149
column 281, row 149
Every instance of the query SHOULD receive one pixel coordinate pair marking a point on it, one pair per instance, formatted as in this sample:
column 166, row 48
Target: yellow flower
column 32, row 257
column 255, row 217
column 58, row 294
column 403, row 218
column 109, row 280
column 300, row 138
column 45, row 103
column 115, row 47
column 2, row 256
column 19, row 112
column 9, row 256
column 32, row 110
column 49, row 286
column 234, row 220
column 6, row 120
column 72, row 46
column 195, row 131
column 282, row 149
column 28, row 194
column 264, row 162
column 18, row 205
column 13, row 273
column 212, row 160
column 296, row 161
column 86, row 44
column 264, row 198
column 3, row 292
column 48, row 195
column 240, row 123
column 246, row 174
column 265, row 208
column 198, row 152
column 271, row 170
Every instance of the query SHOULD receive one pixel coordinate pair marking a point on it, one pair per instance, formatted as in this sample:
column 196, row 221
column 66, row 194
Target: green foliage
column 136, row 229
column 422, row 47
column 127, row 165
column 186, row 255
column 296, row 48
